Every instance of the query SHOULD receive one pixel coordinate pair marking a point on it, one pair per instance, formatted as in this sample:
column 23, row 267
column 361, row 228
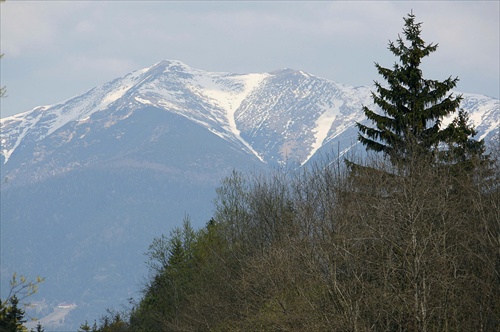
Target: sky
column 55, row 50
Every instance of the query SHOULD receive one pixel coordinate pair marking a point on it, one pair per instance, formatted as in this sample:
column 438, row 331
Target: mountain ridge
column 93, row 179
column 232, row 106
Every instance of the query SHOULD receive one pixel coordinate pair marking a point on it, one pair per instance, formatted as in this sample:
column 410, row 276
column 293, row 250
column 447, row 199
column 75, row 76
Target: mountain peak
column 289, row 72
column 283, row 115
column 170, row 65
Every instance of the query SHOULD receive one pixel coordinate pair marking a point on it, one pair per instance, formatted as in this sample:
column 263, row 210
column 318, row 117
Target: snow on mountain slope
column 209, row 99
column 14, row 129
column 45, row 120
column 290, row 115
column 280, row 116
column 484, row 114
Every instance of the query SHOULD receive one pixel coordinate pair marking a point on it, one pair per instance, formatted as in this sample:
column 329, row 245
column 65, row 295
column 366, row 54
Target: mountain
column 87, row 183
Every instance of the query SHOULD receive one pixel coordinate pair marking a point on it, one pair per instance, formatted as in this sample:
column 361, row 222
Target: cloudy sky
column 55, row 50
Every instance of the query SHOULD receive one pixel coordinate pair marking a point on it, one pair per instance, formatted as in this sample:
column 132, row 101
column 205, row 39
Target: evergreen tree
column 39, row 327
column 413, row 106
column 84, row 327
column 462, row 150
column 11, row 316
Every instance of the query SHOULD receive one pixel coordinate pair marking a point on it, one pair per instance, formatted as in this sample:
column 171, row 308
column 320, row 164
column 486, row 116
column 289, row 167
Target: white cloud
column 34, row 26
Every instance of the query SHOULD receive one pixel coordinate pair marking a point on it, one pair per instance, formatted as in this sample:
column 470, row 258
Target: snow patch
column 84, row 105
column 115, row 95
column 228, row 92
column 323, row 126
column 79, row 109
column 143, row 101
column 25, row 124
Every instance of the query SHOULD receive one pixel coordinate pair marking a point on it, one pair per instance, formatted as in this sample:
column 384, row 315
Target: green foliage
column 85, row 327
column 365, row 250
column 462, row 150
column 333, row 249
column 111, row 322
column 11, row 314
column 22, row 287
column 413, row 107
column 39, row 327
column 172, row 262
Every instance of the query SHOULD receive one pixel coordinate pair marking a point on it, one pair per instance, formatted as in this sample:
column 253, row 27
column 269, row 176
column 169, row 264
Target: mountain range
column 86, row 184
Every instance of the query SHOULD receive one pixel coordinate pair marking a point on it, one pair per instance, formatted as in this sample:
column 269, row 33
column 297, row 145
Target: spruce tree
column 462, row 150
column 39, row 327
column 84, row 327
column 413, row 107
column 11, row 316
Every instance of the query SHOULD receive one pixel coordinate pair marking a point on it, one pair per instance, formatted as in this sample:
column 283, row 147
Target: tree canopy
column 413, row 107
column 327, row 249
column 12, row 311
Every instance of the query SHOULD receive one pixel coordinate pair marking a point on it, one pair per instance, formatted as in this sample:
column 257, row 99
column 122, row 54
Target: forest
column 331, row 249
column 406, row 239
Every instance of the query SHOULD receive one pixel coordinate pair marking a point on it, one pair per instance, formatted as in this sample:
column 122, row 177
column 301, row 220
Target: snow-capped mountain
column 283, row 115
column 87, row 183
column 278, row 116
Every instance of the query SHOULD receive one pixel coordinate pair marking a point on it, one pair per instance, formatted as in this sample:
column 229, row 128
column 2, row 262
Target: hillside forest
column 405, row 240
